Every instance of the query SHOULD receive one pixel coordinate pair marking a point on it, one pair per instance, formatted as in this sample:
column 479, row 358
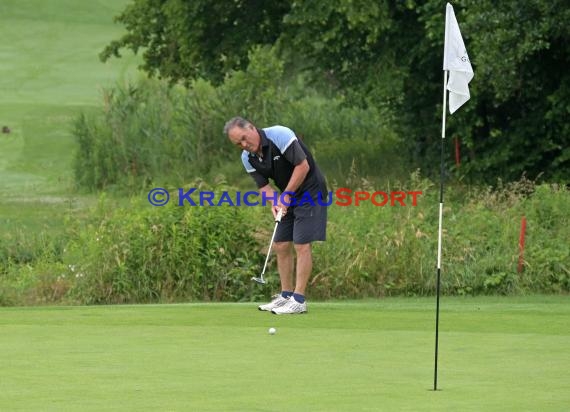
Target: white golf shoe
column 276, row 302
column 290, row 307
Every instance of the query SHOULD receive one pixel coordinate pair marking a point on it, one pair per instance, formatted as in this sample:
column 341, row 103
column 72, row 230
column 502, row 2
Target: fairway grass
column 50, row 72
column 496, row 354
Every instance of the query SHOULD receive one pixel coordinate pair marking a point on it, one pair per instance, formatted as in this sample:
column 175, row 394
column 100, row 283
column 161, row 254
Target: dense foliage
column 388, row 55
column 183, row 40
column 138, row 253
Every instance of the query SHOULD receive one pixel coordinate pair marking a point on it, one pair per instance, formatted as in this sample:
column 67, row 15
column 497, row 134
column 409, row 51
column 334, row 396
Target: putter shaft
column 260, row 279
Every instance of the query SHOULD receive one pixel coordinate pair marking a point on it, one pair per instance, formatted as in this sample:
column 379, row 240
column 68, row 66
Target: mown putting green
column 496, row 354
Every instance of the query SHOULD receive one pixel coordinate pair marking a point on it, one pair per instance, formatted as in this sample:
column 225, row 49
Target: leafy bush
column 171, row 253
column 140, row 253
column 377, row 251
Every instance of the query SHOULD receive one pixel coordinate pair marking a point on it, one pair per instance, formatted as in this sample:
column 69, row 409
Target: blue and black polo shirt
column 281, row 152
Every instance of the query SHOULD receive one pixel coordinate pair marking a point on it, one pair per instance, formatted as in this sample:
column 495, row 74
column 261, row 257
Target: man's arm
column 270, row 194
column 297, row 178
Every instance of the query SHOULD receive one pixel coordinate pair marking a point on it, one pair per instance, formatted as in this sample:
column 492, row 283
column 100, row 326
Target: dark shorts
column 303, row 224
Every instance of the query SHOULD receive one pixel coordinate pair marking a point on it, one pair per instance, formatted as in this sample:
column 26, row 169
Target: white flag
column 456, row 60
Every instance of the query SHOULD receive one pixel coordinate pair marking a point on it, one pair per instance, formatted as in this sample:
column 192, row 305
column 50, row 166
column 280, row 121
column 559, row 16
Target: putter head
column 259, row 280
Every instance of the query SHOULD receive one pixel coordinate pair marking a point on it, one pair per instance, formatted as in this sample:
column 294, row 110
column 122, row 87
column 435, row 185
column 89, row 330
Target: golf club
column 260, row 279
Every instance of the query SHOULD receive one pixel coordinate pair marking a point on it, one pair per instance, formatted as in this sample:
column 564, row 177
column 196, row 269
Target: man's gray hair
column 236, row 121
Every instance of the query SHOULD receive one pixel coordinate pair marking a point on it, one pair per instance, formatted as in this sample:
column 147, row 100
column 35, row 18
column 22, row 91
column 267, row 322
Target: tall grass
column 376, row 251
column 151, row 133
column 140, row 253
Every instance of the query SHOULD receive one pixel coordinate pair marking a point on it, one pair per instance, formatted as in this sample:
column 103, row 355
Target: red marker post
column 521, row 244
column 457, row 153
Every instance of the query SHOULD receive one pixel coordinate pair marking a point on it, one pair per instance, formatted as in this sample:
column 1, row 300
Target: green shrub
column 377, row 251
column 170, row 253
column 138, row 253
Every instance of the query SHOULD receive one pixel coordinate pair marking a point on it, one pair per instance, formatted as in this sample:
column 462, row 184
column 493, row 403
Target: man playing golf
column 276, row 153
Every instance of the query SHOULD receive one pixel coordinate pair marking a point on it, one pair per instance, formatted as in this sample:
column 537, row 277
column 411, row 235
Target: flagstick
column 439, row 232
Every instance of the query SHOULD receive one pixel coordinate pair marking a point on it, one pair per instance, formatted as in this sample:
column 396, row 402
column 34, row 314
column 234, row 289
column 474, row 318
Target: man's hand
column 277, row 209
column 284, row 203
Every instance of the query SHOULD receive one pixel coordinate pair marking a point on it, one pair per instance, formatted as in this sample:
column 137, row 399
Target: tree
column 183, row 39
column 389, row 54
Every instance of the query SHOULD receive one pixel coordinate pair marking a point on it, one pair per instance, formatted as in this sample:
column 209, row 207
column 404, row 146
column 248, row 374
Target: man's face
column 246, row 138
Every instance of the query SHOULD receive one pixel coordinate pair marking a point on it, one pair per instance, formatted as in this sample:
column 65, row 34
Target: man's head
column 243, row 134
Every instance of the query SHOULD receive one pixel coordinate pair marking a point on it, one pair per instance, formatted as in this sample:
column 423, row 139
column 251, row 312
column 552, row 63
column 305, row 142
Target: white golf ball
column 272, row 331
